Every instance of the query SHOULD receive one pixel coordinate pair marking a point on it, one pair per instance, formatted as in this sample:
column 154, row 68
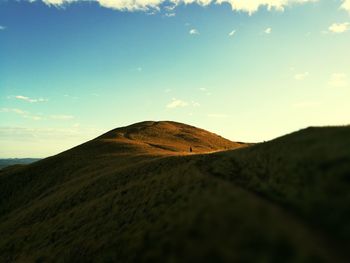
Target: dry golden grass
column 167, row 138
column 136, row 194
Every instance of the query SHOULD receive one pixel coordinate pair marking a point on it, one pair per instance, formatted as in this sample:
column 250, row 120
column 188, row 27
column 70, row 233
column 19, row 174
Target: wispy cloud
column 338, row 80
column 253, row 6
column 170, row 7
column 34, row 134
column 124, row 5
column 24, row 114
column 339, row 27
column 301, row 76
column 28, row 99
column 13, row 110
column 232, row 33
column 346, row 5
column 268, row 30
column 170, row 14
column 176, row 103
column 70, row 96
column 205, row 90
column 2, row 27
column 194, row 31
column 36, row 117
column 249, row 6
column 195, row 104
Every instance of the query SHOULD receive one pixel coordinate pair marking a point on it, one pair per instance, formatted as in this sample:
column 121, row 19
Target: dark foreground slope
column 116, row 200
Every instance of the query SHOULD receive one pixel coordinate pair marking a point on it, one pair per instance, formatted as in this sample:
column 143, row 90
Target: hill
column 164, row 138
column 138, row 194
column 16, row 161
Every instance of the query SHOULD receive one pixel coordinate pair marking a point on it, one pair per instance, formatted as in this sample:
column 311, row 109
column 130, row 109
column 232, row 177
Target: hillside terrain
column 138, row 194
column 16, row 161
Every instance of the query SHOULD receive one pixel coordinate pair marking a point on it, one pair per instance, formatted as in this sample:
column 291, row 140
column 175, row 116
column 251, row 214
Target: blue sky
column 248, row 70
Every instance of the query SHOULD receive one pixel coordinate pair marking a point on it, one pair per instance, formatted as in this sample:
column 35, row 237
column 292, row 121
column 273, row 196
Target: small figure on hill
column 190, row 149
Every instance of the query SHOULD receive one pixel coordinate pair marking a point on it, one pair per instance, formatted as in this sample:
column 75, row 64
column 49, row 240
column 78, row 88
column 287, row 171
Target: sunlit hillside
column 137, row 194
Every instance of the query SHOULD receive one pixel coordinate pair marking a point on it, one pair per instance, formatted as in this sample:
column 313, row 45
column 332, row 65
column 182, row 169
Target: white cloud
column 232, row 33
column 2, row 27
column 248, row 6
column 346, row 5
column 338, row 80
column 33, row 117
column 170, row 14
column 301, row 76
column 124, row 5
column 55, row 2
column 31, row 100
column 70, row 96
column 152, row 13
column 252, row 6
column 175, row 103
column 205, row 91
column 195, row 104
column 42, row 134
column 268, row 30
column 194, row 31
column 339, row 28
column 17, row 111
column 36, row 117
column 24, row 114
column 170, row 7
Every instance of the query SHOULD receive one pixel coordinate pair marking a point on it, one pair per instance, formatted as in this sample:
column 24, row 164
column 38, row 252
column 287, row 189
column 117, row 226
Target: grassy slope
column 307, row 172
column 282, row 201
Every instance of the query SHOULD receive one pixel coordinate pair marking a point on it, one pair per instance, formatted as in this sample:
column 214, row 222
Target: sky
column 250, row 70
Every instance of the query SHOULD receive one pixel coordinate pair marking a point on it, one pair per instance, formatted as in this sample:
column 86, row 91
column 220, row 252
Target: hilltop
column 137, row 194
column 164, row 138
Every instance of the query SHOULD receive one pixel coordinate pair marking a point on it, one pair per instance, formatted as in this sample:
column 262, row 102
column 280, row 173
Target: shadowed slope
column 282, row 201
column 307, row 172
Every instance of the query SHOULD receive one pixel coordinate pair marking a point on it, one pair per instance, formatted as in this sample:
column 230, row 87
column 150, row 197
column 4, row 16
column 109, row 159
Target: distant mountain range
column 170, row 192
column 13, row 161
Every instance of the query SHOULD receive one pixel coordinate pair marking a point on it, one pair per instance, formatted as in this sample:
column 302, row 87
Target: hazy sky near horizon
column 248, row 70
